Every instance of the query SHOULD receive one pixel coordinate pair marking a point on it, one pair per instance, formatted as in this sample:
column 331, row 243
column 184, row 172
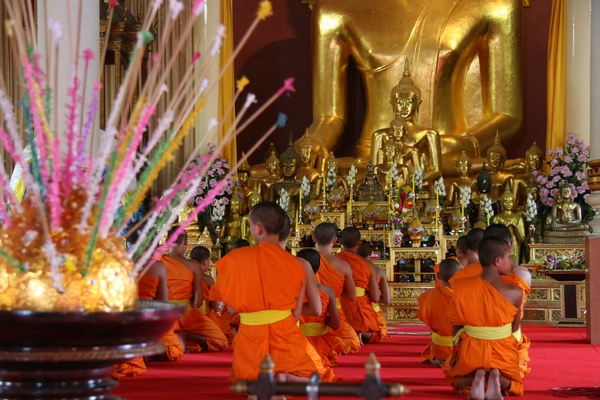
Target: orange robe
column 324, row 342
column 264, row 278
column 147, row 287
column 359, row 313
column 180, row 281
column 477, row 303
column 213, row 315
column 524, row 343
column 467, row 272
column 382, row 334
column 432, row 308
column 346, row 337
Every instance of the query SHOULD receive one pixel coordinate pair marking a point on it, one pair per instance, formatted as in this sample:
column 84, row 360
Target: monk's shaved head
column 285, row 230
column 491, row 248
column 499, row 231
column 312, row 256
column 448, row 268
column 324, row 233
column 350, row 237
column 269, row 215
column 461, row 244
column 474, row 236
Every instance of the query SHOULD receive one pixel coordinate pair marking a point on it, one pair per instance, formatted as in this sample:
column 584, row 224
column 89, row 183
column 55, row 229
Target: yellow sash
column 360, row 291
column 376, row 307
column 205, row 307
column 186, row 302
column 441, row 340
column 313, row 328
column 264, row 317
column 485, row 332
column 518, row 335
column 338, row 304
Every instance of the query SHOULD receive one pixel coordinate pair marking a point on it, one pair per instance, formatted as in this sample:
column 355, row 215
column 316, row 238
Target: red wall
column 280, row 48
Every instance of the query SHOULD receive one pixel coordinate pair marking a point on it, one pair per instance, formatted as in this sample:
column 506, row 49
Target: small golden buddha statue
column 496, row 156
column 309, row 158
column 273, row 168
column 290, row 163
column 253, row 200
column 565, row 222
column 370, row 188
column 331, row 164
column 311, row 210
column 244, row 189
column 533, row 162
column 463, row 165
column 205, row 239
column 514, row 222
column 232, row 226
column 193, row 229
column 260, row 171
column 390, row 151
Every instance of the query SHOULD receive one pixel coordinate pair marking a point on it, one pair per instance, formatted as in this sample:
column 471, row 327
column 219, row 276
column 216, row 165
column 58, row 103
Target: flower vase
column 51, row 355
column 397, row 238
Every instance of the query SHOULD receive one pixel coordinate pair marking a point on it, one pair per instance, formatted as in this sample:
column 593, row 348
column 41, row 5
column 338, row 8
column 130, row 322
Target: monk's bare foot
column 478, row 386
column 493, row 391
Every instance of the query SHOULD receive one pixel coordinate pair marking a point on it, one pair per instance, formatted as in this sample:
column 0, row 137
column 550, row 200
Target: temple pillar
column 594, row 173
column 88, row 38
column 577, row 119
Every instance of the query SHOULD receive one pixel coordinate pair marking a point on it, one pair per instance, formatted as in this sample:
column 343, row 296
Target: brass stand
column 371, row 389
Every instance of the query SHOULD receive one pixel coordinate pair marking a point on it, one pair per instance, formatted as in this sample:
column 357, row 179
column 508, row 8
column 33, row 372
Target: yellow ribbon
column 205, row 307
column 360, row 291
column 186, row 302
column 441, row 340
column 264, row 317
column 338, row 303
column 518, row 335
column 313, row 328
column 485, row 332
column 376, row 307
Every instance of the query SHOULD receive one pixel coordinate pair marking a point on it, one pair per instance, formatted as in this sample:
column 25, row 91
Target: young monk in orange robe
column 485, row 307
column 360, row 313
column 432, row 308
column 152, row 286
column 266, row 285
column 336, row 274
column 472, row 266
column 315, row 327
column 519, row 277
column 364, row 250
column 184, row 278
column 202, row 255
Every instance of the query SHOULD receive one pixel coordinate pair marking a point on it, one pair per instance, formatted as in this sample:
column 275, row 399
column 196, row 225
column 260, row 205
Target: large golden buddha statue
column 308, row 160
column 466, row 55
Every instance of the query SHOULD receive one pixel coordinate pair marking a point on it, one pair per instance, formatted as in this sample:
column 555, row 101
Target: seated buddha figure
column 259, row 171
column 370, row 188
column 514, row 222
column 273, row 168
column 565, row 222
column 290, row 162
column 232, row 227
column 533, row 162
column 463, row 165
column 312, row 159
column 390, row 151
column 496, row 156
column 331, row 163
column 253, row 200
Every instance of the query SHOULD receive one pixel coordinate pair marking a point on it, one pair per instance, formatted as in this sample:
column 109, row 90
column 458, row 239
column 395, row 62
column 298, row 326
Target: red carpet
column 559, row 357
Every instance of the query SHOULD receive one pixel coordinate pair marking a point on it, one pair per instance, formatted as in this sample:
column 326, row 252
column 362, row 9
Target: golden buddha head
column 463, row 164
column 398, row 129
column 254, row 197
column 331, row 163
column 290, row 162
column 306, row 150
column 271, row 151
column 496, row 155
column 507, row 200
column 565, row 192
column 406, row 96
column 533, row 158
column 273, row 166
column 235, row 204
column 242, row 177
column 390, row 149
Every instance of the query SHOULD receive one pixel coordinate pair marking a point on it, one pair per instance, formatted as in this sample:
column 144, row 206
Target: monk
column 461, row 256
column 485, row 307
column 202, row 255
column 152, row 286
column 336, row 274
column 184, row 278
column 315, row 327
column 364, row 250
column 360, row 312
column 473, row 267
column 432, row 308
column 266, row 285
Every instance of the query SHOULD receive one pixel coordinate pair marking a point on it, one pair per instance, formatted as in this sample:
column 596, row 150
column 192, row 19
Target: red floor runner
column 560, row 357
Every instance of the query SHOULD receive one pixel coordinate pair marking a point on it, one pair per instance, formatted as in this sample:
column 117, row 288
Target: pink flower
column 225, row 200
column 550, row 202
column 568, row 159
column 579, row 175
column 550, row 184
column 203, row 185
column 199, row 200
column 582, row 158
column 212, row 183
column 553, row 192
column 553, row 162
